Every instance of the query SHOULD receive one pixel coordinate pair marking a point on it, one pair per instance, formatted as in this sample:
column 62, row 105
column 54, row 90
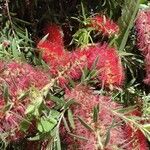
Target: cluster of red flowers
column 69, row 65
column 17, row 78
column 143, row 39
column 120, row 135
column 104, row 25
column 64, row 65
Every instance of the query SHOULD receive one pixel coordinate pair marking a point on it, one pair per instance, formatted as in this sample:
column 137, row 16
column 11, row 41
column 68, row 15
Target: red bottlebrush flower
column 143, row 39
column 70, row 65
column 18, row 77
column 86, row 101
column 108, row 64
column 104, row 25
column 55, row 34
column 135, row 138
column 52, row 48
column 50, row 51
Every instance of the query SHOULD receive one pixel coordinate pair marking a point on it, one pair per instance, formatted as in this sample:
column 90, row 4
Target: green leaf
column 44, row 38
column 126, row 21
column 107, row 138
column 92, row 74
column 69, row 103
column 30, row 109
column 40, row 127
column 70, row 118
column 108, row 133
column 58, row 140
column 54, row 113
column 46, row 124
column 78, row 137
column 8, row 106
column 15, row 46
column 95, row 113
column 123, row 53
column 38, row 101
column 72, row 82
column 5, row 93
column 147, row 127
column 24, row 126
column 85, row 124
column 66, row 124
column 57, row 100
column 23, row 95
column 85, row 73
column 95, row 63
column 52, row 120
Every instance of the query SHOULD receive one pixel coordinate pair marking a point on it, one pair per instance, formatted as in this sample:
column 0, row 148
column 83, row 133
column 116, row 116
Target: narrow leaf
column 85, row 124
column 70, row 118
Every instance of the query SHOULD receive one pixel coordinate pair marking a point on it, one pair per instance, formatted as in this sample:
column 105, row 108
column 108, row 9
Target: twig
column 9, row 17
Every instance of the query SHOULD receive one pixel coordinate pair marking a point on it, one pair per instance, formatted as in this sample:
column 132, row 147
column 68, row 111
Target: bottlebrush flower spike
column 143, row 28
column 108, row 64
column 50, row 51
column 86, row 101
column 143, row 39
column 104, row 25
column 18, row 77
column 133, row 134
column 119, row 135
column 52, row 47
column 55, row 34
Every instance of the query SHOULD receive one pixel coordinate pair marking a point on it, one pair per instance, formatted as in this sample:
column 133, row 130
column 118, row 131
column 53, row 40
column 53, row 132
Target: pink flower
column 143, row 28
column 18, row 77
column 104, row 25
column 143, row 39
column 86, row 101
column 121, row 136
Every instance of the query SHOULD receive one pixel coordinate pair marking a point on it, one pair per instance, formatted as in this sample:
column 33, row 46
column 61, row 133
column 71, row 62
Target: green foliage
column 126, row 40
column 126, row 21
column 82, row 37
column 47, row 119
column 15, row 44
column 71, row 119
column 146, row 105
